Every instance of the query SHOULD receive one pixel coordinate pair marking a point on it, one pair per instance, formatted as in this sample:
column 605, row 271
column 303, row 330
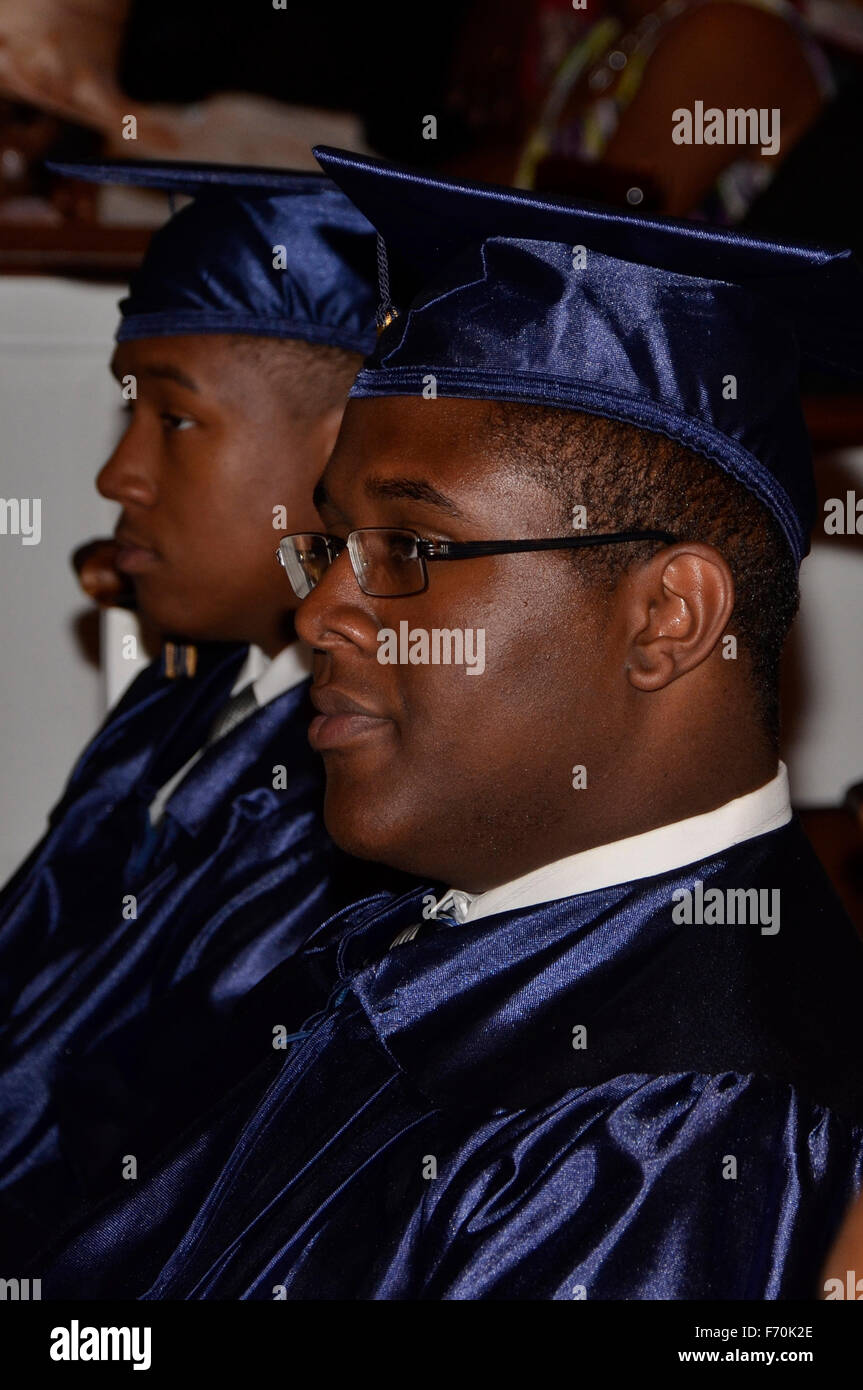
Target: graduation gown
column 442, row 1129
column 124, row 949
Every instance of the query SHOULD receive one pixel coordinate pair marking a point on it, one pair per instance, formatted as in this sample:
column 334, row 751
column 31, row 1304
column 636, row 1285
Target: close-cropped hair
column 316, row 377
column 630, row 479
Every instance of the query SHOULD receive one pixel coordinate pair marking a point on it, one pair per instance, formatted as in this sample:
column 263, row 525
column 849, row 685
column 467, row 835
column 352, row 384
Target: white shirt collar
column 272, row 677
column 269, row 679
column 639, row 856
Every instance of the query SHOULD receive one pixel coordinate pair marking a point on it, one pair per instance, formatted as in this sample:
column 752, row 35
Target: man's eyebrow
column 166, row 371
column 413, row 490
column 160, row 371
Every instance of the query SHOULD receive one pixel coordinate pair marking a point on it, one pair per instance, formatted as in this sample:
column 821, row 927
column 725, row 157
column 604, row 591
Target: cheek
column 465, row 683
column 228, row 529
column 531, row 678
column 190, row 490
column 279, row 468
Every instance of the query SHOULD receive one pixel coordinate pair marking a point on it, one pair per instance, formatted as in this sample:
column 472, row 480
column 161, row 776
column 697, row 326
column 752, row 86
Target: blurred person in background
column 583, row 100
column 187, row 854
column 217, row 80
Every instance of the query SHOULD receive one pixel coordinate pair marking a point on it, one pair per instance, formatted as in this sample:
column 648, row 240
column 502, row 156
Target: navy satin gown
column 432, row 1132
column 125, row 951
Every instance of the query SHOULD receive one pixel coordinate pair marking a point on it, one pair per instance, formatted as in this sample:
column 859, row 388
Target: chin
column 171, row 618
column 367, row 828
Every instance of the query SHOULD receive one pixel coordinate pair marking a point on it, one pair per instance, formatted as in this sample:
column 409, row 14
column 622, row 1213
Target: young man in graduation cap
column 616, row 1054
column 187, row 855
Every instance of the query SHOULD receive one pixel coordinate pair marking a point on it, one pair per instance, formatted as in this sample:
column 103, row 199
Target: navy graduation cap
column 216, row 266
column 686, row 330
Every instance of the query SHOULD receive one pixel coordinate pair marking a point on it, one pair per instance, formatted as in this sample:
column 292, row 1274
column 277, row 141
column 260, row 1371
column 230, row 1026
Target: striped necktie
column 238, row 708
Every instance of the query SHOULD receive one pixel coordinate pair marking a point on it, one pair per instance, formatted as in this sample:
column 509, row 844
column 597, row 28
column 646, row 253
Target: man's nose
column 337, row 613
column 126, row 477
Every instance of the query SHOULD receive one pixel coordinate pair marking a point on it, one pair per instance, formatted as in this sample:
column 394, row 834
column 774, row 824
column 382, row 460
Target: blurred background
column 570, row 96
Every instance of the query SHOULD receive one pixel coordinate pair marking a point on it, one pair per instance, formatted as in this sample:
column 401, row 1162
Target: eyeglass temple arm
column 461, row 550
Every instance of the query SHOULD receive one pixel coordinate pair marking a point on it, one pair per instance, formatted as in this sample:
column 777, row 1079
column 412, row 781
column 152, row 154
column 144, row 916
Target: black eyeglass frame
column 468, row 550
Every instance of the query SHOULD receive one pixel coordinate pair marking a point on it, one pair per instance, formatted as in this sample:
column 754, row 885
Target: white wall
column 59, row 416
column 824, row 685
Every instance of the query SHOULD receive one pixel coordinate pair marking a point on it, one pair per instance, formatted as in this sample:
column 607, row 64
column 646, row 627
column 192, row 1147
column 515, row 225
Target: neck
column 661, row 792
column 276, row 637
column 272, row 649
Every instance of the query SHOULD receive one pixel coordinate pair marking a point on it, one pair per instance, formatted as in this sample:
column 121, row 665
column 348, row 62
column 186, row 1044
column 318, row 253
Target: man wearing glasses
column 608, row 1046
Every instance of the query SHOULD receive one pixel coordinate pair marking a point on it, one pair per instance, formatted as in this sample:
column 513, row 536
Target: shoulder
column 715, row 51
column 632, row 1188
column 651, row 1118
column 733, row 24
column 213, row 660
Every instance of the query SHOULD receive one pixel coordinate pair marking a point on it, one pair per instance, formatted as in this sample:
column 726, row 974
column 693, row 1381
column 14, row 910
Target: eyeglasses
column 390, row 563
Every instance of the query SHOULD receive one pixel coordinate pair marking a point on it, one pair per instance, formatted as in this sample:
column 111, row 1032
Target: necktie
column 238, row 708
column 159, row 828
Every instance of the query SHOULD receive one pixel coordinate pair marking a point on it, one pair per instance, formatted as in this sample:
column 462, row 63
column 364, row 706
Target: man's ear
column 677, row 607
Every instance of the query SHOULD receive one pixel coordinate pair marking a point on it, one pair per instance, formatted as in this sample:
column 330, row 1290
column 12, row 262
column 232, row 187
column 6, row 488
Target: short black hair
column 628, row 478
column 315, row 376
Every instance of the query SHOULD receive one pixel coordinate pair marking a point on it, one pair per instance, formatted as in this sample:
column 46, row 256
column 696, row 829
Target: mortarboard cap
column 688, row 331
column 210, row 268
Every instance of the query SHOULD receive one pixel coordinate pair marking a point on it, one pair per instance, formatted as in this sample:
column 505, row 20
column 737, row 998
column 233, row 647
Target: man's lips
column 342, row 720
column 133, row 556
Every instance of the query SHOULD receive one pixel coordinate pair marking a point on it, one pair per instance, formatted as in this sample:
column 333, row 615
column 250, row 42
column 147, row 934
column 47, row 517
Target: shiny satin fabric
column 432, row 1132
column 512, row 321
column 125, row 952
column 216, row 266
column 685, row 330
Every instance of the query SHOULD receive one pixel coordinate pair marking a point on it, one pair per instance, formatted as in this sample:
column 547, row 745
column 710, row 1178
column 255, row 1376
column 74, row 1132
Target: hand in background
column 238, row 128
column 63, row 56
column 99, row 577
